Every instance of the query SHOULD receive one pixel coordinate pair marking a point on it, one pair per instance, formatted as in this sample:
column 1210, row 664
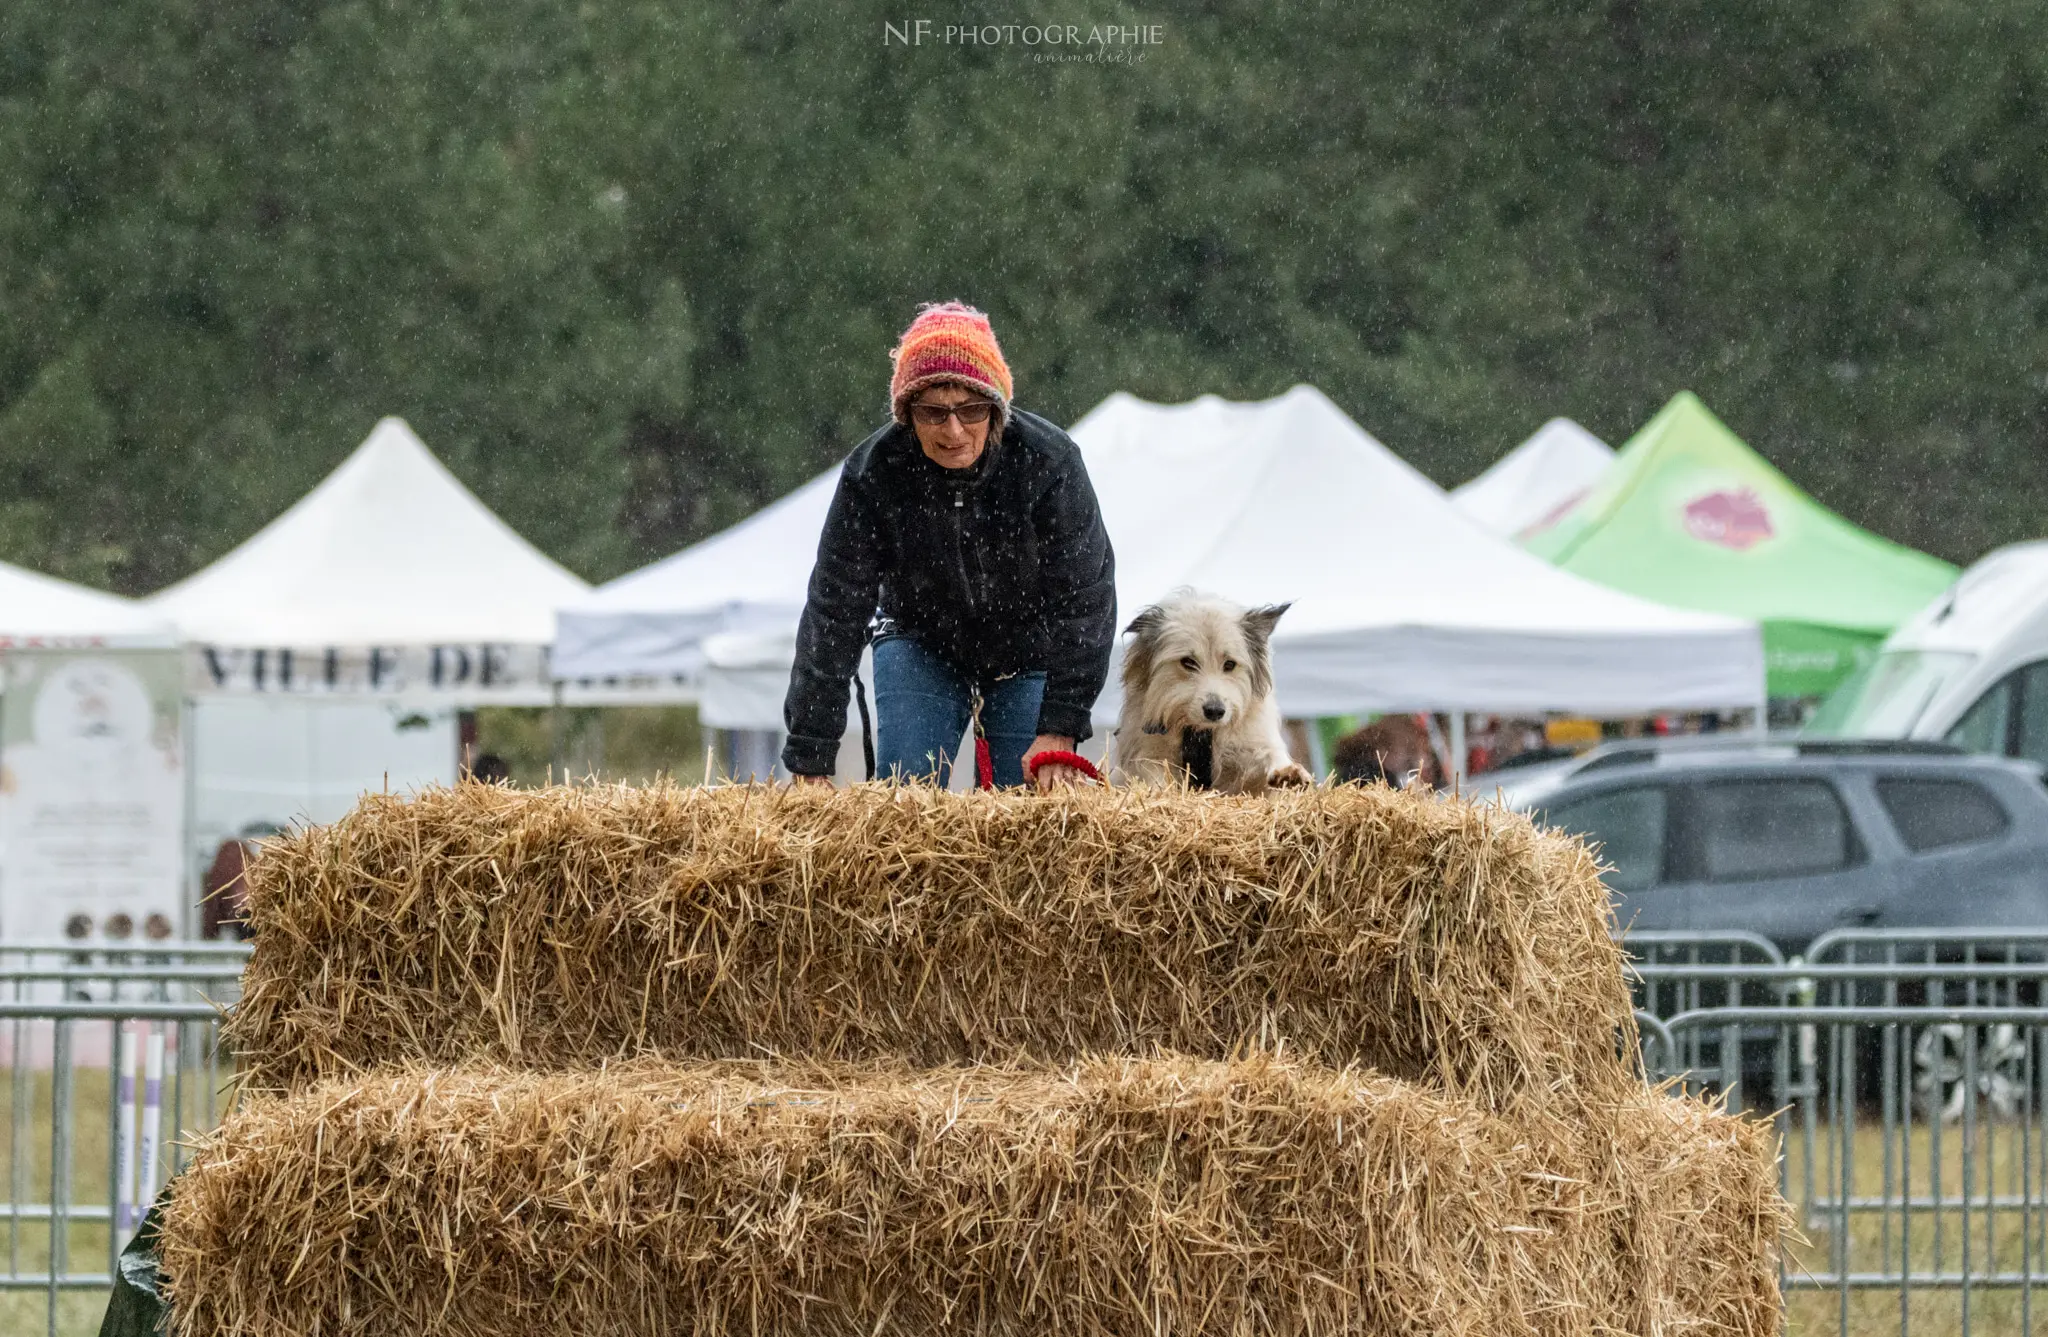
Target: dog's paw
column 1288, row 776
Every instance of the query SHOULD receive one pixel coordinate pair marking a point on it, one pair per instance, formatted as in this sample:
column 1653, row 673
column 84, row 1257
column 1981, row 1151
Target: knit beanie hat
column 949, row 343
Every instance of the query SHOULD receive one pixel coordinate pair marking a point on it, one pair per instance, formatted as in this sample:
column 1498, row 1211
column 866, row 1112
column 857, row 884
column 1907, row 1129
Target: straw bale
column 1694, row 1194
column 1115, row 1196
column 1438, row 941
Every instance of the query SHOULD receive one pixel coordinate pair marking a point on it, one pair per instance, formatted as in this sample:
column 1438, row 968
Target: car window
column 1627, row 825
column 1752, row 830
column 2034, row 712
column 1983, row 727
column 1933, row 814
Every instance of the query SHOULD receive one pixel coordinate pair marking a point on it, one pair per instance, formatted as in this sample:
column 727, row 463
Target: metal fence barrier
column 1904, row 1074
column 163, row 972
column 112, row 1053
column 98, row 1095
column 169, row 951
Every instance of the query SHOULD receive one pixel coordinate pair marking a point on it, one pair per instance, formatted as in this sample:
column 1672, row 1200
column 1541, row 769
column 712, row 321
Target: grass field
column 1875, row 1241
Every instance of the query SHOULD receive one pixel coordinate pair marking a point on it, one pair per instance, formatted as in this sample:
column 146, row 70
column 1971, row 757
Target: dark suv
column 1791, row 839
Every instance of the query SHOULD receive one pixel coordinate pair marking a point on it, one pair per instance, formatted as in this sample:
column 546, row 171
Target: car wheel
column 1941, row 1070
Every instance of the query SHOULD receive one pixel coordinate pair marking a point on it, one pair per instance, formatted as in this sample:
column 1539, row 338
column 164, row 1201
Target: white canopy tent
column 389, row 579
column 1537, row 481
column 1401, row 602
column 43, row 612
column 744, row 678
column 748, row 579
column 331, row 652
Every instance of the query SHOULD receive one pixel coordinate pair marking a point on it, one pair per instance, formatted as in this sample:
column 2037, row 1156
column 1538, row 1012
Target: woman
column 966, row 532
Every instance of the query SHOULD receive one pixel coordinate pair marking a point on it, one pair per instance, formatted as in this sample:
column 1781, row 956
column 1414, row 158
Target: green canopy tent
column 1689, row 516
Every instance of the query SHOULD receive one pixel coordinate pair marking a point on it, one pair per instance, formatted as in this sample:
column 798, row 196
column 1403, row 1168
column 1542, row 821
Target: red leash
column 1059, row 758
column 985, row 765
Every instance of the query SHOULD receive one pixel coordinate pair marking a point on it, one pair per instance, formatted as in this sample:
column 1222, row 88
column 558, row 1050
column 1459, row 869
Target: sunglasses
column 973, row 413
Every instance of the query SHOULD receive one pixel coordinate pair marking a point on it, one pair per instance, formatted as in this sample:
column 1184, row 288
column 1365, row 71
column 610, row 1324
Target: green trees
column 634, row 269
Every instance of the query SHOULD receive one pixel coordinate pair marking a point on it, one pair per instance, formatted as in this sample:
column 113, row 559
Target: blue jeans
column 923, row 707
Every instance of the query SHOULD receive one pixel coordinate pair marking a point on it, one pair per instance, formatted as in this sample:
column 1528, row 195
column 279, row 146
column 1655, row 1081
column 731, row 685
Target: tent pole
column 194, row 888
column 558, row 759
column 1457, row 776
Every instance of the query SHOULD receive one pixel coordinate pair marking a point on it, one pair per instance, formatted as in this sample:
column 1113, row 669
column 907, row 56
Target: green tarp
column 1689, row 516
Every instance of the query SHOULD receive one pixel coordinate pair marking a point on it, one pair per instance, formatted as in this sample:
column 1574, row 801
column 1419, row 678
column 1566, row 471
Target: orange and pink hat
column 949, row 343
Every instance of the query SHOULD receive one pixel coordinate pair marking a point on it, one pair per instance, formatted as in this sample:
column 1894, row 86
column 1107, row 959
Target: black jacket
column 999, row 568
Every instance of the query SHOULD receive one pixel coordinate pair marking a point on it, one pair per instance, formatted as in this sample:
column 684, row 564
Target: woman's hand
column 1052, row 773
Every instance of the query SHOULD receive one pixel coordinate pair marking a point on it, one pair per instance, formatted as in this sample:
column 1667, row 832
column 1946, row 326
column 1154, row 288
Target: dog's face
column 1199, row 662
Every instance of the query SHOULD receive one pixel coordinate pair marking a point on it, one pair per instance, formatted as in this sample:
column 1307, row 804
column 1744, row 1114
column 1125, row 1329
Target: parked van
column 1971, row 668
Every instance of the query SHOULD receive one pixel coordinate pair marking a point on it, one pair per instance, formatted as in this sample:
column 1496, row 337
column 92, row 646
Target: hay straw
column 1114, row 1197
column 1436, row 941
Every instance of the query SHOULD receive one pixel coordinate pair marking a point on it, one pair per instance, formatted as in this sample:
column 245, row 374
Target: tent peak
column 1686, row 405
column 1299, row 390
column 1691, row 515
column 389, row 549
column 1538, row 482
column 393, row 434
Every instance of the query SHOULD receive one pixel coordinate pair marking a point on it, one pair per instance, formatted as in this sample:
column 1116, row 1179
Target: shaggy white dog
column 1198, row 689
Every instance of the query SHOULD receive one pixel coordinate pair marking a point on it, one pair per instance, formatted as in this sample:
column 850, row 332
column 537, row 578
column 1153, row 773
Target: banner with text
column 92, row 795
column 483, row 670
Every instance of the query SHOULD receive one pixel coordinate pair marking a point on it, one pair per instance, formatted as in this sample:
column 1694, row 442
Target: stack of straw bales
column 889, row 1060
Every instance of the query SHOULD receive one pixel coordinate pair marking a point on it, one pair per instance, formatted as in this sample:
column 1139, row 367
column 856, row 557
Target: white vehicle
column 1970, row 669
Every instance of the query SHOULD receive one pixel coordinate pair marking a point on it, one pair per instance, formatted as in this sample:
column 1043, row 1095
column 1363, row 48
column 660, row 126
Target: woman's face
column 951, row 444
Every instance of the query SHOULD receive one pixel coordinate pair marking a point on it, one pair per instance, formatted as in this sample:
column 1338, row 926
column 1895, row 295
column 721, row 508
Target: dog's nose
column 1212, row 709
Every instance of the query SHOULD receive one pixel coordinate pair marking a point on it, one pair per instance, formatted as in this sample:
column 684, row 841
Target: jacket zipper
column 960, row 547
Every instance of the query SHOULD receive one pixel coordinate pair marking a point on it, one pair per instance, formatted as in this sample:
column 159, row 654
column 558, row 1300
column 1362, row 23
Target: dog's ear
column 1144, row 631
column 1258, row 624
